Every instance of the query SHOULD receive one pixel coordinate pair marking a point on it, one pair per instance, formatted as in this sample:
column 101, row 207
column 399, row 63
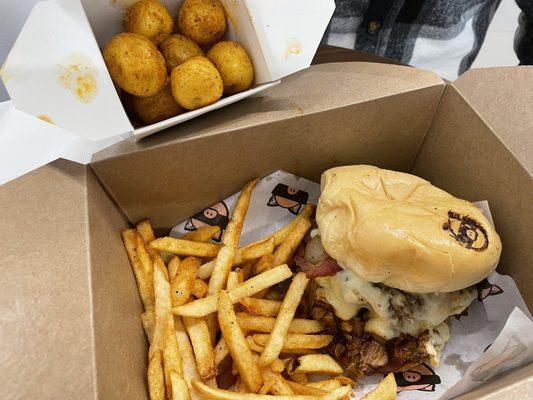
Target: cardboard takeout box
column 69, row 303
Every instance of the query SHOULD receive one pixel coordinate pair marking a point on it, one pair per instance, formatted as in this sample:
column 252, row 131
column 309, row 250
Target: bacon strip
column 328, row 267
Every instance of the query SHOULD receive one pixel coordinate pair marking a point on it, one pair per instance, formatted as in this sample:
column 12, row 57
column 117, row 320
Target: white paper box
column 55, row 70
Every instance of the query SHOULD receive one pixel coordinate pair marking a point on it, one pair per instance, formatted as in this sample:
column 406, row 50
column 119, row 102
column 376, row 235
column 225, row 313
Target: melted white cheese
column 391, row 311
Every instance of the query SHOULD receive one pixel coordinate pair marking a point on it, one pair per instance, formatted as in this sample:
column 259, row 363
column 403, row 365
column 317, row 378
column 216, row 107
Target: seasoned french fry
column 171, row 356
column 299, row 388
column 287, row 248
column 162, row 305
column 190, row 372
column 183, row 282
column 264, row 263
column 280, row 235
column 280, row 385
column 178, row 388
column 202, row 234
column 315, row 364
column 261, row 307
column 266, row 324
column 201, row 344
column 144, row 257
column 221, row 351
column 242, row 255
column 233, row 280
column 283, row 321
column 208, row 305
column 148, row 322
column 145, row 231
column 182, row 247
column 173, row 267
column 328, row 385
column 144, row 283
column 199, row 289
column 297, row 341
column 385, row 390
column 156, row 378
column 218, row 394
column 234, row 338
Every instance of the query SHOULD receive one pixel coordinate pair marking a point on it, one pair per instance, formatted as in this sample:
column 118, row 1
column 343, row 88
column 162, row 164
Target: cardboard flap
column 316, row 89
column 503, row 97
column 56, row 69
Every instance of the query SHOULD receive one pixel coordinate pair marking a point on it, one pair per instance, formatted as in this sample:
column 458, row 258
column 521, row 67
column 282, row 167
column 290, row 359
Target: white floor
column 496, row 51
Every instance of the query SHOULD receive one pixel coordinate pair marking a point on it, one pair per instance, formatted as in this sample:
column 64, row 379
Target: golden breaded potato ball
column 177, row 49
column 196, row 83
column 204, row 21
column 135, row 64
column 149, row 18
column 155, row 108
column 234, row 66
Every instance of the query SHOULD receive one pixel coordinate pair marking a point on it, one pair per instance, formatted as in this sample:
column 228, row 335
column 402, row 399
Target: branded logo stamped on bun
column 466, row 231
column 288, row 197
column 419, row 377
column 216, row 215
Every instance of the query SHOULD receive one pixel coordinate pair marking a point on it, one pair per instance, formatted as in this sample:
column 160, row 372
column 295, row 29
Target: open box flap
column 319, row 88
column 503, row 97
column 55, row 70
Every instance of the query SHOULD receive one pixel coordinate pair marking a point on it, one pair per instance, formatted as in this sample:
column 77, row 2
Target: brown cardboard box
column 69, row 306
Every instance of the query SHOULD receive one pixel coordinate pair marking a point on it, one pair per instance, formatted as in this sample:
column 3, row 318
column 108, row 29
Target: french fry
column 172, row 363
column 344, row 380
column 145, row 231
column 315, row 364
column 264, row 263
column 230, row 241
column 280, row 235
column 287, row 248
column 296, row 341
column 233, row 280
column 385, row 390
column 267, row 387
column 327, row 385
column 339, row 393
column 178, row 388
column 280, row 385
column 162, row 305
column 148, row 322
column 182, row 247
column 173, row 267
column 183, row 282
column 144, row 257
column 144, row 283
column 266, row 324
column 252, row 345
column 199, row 289
column 209, row 304
column 299, row 388
column 218, row 394
column 277, row 366
column 190, row 372
column 234, row 338
column 299, row 378
column 156, row 378
column 283, row 321
column 221, row 350
column 247, row 270
column 202, row 234
column 201, row 344
column 242, row 255
column 261, row 307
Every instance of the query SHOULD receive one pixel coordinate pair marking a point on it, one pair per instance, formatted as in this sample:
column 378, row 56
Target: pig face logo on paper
column 216, row 215
column 513, row 351
column 486, row 289
column 288, row 197
column 420, row 377
column 466, row 231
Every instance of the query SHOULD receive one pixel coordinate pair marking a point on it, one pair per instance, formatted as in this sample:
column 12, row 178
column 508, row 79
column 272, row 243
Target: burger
column 393, row 258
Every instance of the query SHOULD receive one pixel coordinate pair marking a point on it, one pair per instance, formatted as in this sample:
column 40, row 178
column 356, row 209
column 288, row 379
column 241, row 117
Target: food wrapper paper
column 492, row 336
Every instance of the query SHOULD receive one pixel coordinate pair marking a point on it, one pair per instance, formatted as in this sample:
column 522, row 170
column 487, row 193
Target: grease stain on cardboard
column 77, row 73
column 45, row 118
column 294, row 47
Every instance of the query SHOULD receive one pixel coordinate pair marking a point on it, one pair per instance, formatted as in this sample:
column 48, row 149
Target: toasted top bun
column 400, row 230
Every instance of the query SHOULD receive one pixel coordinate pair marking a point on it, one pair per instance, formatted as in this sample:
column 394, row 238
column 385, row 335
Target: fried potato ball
column 204, row 21
column 135, row 64
column 196, row 83
column 149, row 18
column 177, row 49
column 234, row 66
column 155, row 108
